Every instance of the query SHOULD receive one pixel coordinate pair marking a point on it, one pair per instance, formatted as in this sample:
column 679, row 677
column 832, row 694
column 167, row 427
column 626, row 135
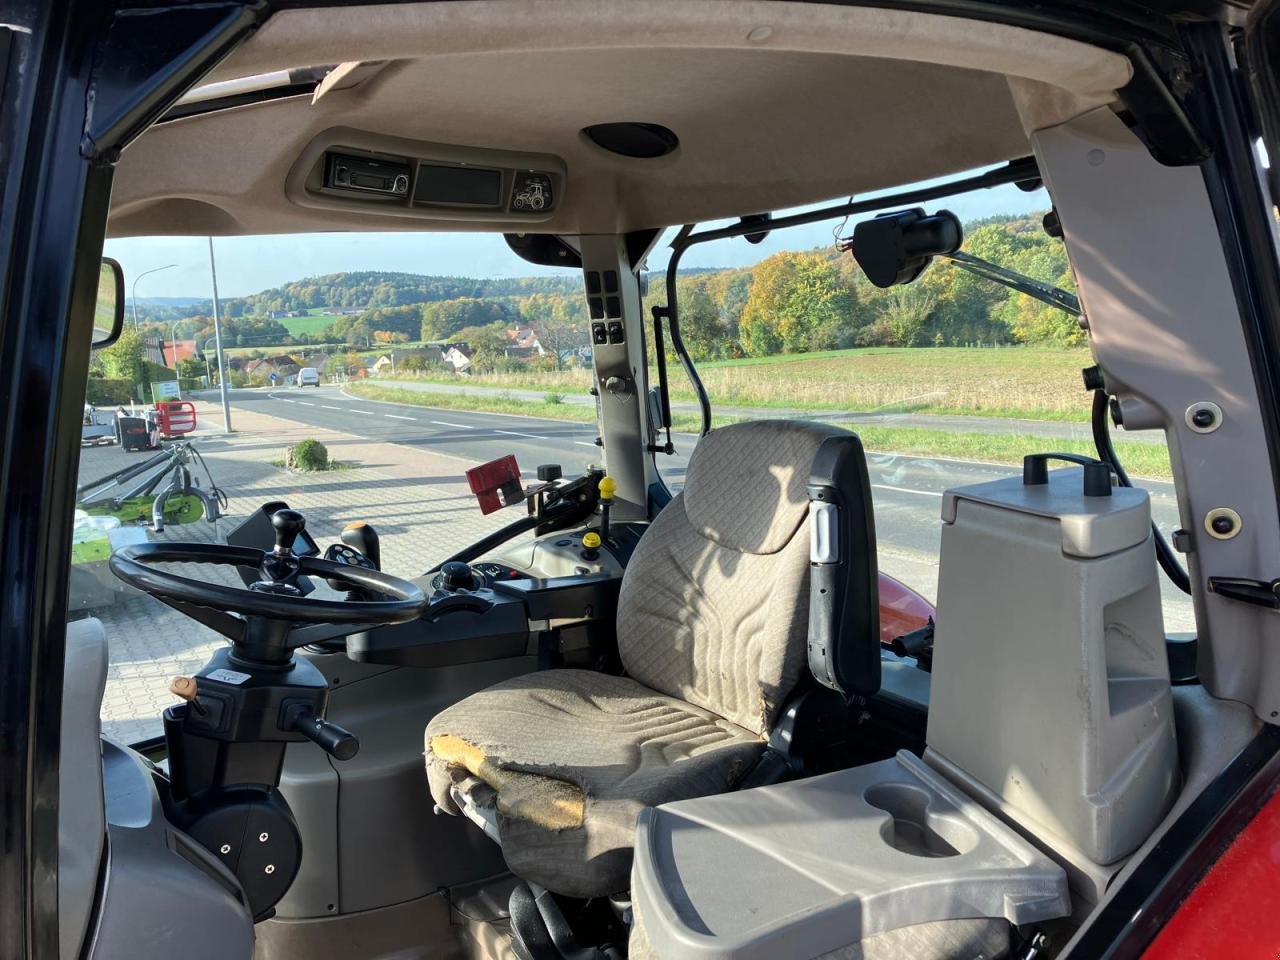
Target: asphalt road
column 907, row 489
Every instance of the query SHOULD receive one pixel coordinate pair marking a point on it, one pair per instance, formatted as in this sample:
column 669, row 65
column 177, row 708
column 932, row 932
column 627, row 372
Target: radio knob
column 401, row 184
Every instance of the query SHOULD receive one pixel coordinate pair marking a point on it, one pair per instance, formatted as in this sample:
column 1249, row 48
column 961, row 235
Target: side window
column 949, row 380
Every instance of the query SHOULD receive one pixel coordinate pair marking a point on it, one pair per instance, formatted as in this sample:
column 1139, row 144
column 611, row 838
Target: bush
column 104, row 392
column 553, row 398
column 157, row 373
column 308, row 455
column 187, row 384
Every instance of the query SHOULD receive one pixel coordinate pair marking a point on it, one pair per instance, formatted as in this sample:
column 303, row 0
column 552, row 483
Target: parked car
column 308, row 377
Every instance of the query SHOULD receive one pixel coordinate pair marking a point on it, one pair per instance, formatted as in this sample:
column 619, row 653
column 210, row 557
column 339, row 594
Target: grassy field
column 311, row 324
column 1035, row 383
column 1148, row 460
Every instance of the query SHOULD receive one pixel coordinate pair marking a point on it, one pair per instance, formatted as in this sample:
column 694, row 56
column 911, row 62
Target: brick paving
column 417, row 500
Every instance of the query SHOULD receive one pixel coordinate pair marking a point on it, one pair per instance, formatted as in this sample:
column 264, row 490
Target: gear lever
column 288, row 525
column 361, row 536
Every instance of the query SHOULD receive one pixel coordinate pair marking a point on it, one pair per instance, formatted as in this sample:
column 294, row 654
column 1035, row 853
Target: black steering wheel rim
column 133, row 565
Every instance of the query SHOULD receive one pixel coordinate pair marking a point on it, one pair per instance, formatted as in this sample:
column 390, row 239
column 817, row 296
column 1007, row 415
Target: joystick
column 457, row 575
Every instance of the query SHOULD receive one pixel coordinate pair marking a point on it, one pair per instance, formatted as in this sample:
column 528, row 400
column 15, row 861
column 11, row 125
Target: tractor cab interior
column 694, row 723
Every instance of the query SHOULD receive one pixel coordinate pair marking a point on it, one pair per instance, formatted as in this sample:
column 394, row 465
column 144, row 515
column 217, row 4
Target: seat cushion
column 566, row 759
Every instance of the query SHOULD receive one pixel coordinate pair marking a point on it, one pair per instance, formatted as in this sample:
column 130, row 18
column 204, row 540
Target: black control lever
column 364, row 538
column 332, row 739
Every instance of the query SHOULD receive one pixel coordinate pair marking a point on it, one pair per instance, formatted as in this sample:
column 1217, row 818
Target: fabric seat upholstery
column 712, row 627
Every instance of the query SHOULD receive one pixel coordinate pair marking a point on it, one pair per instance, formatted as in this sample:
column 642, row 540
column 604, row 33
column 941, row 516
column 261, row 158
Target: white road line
column 306, row 403
column 918, row 493
column 514, row 433
column 286, row 400
column 325, row 406
column 583, row 443
column 396, row 416
column 456, row 426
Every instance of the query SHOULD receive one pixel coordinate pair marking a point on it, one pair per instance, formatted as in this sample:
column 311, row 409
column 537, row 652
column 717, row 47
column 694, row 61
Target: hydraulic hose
column 1165, row 555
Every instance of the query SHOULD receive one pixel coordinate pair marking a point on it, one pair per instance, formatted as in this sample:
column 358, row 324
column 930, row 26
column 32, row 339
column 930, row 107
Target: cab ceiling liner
column 756, row 91
column 642, row 141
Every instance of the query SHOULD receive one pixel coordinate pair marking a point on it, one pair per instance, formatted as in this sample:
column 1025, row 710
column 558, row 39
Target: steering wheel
column 276, row 616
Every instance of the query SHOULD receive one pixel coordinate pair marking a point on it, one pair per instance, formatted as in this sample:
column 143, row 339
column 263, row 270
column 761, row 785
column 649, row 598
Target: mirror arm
column 1045, row 293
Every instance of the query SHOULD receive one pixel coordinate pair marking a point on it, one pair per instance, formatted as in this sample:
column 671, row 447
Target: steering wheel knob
column 288, row 525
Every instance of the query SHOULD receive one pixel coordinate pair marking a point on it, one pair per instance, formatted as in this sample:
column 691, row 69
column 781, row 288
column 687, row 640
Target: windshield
column 365, row 375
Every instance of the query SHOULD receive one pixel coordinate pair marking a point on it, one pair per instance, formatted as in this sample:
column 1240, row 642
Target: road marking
column 325, row 406
column 286, row 400
column 918, row 493
column 456, row 426
column 396, row 416
column 583, row 443
column 514, row 433
column 306, row 403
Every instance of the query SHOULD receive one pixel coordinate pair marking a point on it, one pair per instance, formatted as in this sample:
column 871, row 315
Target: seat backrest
column 714, row 608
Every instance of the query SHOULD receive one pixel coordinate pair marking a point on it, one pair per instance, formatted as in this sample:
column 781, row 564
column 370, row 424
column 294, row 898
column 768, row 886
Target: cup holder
column 912, row 829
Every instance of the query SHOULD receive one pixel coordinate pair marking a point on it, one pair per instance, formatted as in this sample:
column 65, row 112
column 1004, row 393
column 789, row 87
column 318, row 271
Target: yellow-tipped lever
column 607, row 486
column 591, row 540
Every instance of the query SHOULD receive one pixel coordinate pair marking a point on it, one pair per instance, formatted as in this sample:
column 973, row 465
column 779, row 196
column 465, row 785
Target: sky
column 249, row 265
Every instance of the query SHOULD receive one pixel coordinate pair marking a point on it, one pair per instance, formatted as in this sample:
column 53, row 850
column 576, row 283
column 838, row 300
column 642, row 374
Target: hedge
column 108, row 393
column 157, row 373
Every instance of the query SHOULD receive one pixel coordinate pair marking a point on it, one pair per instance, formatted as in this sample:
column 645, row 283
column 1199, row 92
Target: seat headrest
column 745, row 488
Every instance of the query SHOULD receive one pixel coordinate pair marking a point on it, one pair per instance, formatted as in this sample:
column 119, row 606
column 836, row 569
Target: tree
column 488, row 345
column 797, row 303
column 123, row 359
column 701, row 326
column 906, row 313
column 559, row 323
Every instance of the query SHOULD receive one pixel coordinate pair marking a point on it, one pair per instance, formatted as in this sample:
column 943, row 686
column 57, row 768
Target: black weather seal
column 1143, row 903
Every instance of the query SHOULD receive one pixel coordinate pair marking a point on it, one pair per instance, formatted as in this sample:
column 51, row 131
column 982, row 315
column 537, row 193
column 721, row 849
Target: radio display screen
column 470, row 186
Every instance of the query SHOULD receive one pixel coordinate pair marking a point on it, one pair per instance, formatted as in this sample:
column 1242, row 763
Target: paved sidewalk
column 418, row 501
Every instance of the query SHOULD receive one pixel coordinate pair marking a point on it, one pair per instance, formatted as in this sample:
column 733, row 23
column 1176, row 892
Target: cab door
column 77, row 83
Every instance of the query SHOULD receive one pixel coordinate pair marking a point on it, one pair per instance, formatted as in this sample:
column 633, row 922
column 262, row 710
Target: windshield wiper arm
column 1044, row 292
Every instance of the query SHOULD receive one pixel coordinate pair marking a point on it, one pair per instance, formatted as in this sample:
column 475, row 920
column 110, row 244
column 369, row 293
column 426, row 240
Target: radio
column 343, row 172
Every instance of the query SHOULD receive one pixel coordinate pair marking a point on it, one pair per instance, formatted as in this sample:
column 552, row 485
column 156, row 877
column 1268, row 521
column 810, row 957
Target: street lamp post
column 217, row 339
column 173, row 345
column 134, row 299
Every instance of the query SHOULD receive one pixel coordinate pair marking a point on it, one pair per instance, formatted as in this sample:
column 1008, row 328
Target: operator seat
column 712, row 629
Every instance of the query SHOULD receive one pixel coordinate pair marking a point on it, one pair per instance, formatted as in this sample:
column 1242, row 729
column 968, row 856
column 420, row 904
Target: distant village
column 522, row 345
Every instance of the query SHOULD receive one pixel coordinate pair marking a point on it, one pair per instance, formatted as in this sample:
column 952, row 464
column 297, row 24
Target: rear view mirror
column 108, row 312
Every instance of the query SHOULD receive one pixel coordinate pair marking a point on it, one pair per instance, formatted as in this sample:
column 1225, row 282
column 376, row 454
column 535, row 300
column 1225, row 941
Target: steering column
column 226, row 743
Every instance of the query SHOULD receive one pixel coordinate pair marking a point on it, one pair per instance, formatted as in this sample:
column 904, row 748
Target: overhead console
column 347, row 169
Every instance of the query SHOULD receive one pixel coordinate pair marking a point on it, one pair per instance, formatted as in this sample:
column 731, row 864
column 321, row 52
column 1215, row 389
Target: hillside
column 790, row 302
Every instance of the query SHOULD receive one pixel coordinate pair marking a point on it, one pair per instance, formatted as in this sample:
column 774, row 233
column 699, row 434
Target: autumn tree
column 797, row 303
